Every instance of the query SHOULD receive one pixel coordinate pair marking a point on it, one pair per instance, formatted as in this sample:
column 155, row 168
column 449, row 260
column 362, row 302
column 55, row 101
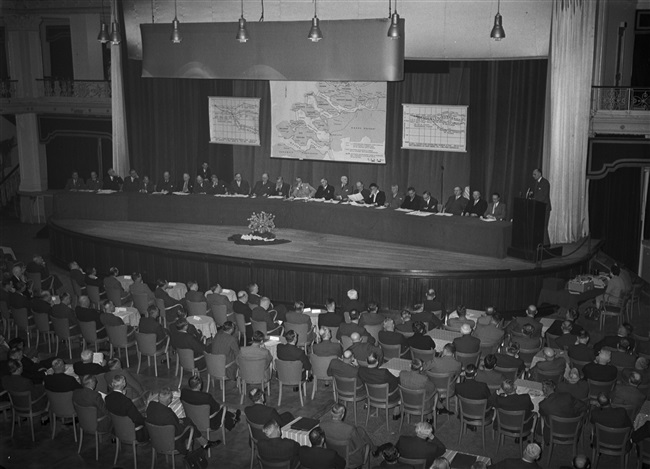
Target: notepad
column 305, row 424
column 463, row 461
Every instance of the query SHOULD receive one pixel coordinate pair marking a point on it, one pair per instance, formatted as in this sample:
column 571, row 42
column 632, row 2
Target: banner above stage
column 329, row 121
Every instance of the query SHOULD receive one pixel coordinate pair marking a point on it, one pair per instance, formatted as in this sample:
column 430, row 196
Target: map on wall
column 234, row 121
column 329, row 121
column 434, row 127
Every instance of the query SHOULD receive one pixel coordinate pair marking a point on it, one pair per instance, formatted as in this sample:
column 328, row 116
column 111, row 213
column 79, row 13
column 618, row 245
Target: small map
column 234, row 121
column 434, row 127
column 331, row 121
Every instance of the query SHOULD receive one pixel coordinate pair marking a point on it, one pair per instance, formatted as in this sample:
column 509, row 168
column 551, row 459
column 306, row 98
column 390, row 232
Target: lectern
column 528, row 231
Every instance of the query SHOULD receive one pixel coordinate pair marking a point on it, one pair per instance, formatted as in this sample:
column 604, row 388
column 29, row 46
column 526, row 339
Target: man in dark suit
column 204, row 171
column 49, row 281
column 456, row 203
column 355, row 437
column 201, row 186
column 476, row 207
column 215, row 296
column 261, row 313
column 111, row 282
column 63, row 310
column 551, row 364
column 75, row 183
column 17, row 382
column 508, row 399
column 510, row 359
column 419, row 340
column 274, row 448
column 466, row 343
column 112, row 182
column 324, row 191
column 389, row 337
column 263, row 188
column 146, row 185
column 330, row 318
column 529, row 459
column 412, row 201
column 360, row 189
column 347, row 329
column 490, row 333
column 472, row 389
column 259, row 413
column 86, row 365
column 216, row 186
column 346, row 367
column 624, row 332
column 138, row 287
column 194, row 395
column 568, row 336
column 193, row 293
column 604, row 414
column 290, row 352
column 224, row 343
column 496, row 210
column 627, row 392
column 87, row 396
column 166, row 185
column 558, row 404
column 283, row 189
column 185, row 340
column 239, row 186
column 77, row 275
column 117, row 403
column 600, row 370
column 416, row 380
column 93, row 183
column 541, row 192
column 317, row 456
column 517, row 324
column 325, row 347
column 488, row 374
column 581, row 351
column 150, row 325
column 578, row 388
column 131, row 182
column 59, row 381
column 109, row 319
column 424, row 445
column 376, row 197
column 41, row 304
column 362, row 350
column 429, row 203
column 372, row 374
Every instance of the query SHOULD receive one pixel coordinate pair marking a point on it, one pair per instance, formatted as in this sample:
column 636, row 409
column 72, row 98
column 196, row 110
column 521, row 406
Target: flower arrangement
column 262, row 226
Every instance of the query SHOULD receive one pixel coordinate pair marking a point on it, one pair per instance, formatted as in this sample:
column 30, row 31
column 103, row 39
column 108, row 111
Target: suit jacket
column 74, row 184
column 615, row 417
column 395, row 201
column 330, row 319
column 262, row 189
column 284, row 190
column 151, row 326
column 489, row 334
column 109, row 319
column 118, row 404
column 253, row 352
column 628, row 395
column 515, row 463
column 201, row 188
column 217, row 187
column 293, row 317
column 195, row 296
column 303, row 190
column 112, row 183
column 611, row 341
column 557, row 365
column 94, row 185
column 379, row 198
column 579, row 390
column 565, row 341
column 160, row 414
column 599, row 372
column 142, row 288
column 243, row 309
column 327, row 348
column 188, row 341
column 413, row 204
column 168, row 301
column 259, row 414
column 421, row 342
column 259, row 314
column 291, row 353
column 182, row 186
column 131, row 184
column 278, row 450
column 219, row 299
column 206, row 173
column 80, row 368
column 320, row 458
column 348, row 329
column 342, row 192
column 476, row 207
column 203, row 398
column 326, row 193
column 39, row 305
column 371, row 319
column 243, row 188
column 456, row 206
column 356, row 438
column 225, row 344
column 561, row 404
column 430, row 205
column 380, row 376
column 542, row 192
column 112, row 283
column 60, row 382
column 521, row 321
column 427, row 316
column 146, row 187
column 472, row 389
column 343, row 370
column 362, row 350
column 444, row 365
column 581, row 352
column 500, row 212
column 167, row 186
column 512, row 402
column 490, row 377
column 414, row 447
column 78, row 276
column 90, row 398
column 467, row 344
column 506, row 361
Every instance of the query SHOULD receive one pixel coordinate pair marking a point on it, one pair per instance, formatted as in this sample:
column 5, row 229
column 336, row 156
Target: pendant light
column 103, row 36
column 176, row 37
column 242, row 32
column 498, row 32
column 315, row 33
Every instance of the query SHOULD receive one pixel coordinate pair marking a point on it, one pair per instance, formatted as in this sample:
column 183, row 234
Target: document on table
column 355, row 197
column 440, row 214
column 420, row 214
column 403, row 210
column 488, row 219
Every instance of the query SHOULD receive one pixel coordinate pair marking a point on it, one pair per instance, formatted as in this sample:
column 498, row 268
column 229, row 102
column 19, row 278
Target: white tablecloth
column 546, row 323
column 205, row 324
column 532, row 388
column 301, row 436
column 128, row 314
column 643, row 416
column 442, row 337
column 395, row 365
column 313, row 315
column 177, row 290
column 230, row 294
column 126, row 281
column 472, row 314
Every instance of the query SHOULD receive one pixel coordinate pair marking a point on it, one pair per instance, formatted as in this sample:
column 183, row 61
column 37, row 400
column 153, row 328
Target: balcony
column 620, row 111
column 57, row 96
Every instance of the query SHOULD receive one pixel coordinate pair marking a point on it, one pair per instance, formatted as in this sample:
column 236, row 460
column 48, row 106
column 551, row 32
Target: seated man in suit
column 375, row 197
column 150, row 325
column 119, row 404
column 395, row 199
column 529, row 459
column 416, row 380
column 389, row 337
column 342, row 191
column 63, row 310
column 215, row 186
column 41, row 304
column 424, row 445
column 318, row 456
column 276, row 449
column 77, row 275
column 159, row 413
column 472, row 389
column 259, row 412
column 134, row 389
column 214, row 296
column 578, row 388
column 201, row 186
column 263, row 188
column 85, row 313
column 490, row 333
column 627, row 392
column 600, row 369
column 372, row 374
column 108, row 319
column 298, row 316
column 508, row 399
column 604, row 414
column 325, row 347
column 346, row 366
column 581, row 351
column 93, row 183
column 466, row 343
column 49, row 281
column 239, row 186
column 324, row 191
column 193, row 294
column 568, row 338
column 527, row 340
column 456, row 203
column 372, row 316
column 476, row 207
column 488, row 374
column 185, row 340
column 405, row 323
column 16, row 382
column 171, row 305
column 496, row 210
column 261, row 313
column 290, row 352
column 360, row 189
column 352, row 302
column 558, row 404
column 131, row 182
column 194, row 395
column 166, row 186
column 88, row 396
column 362, row 350
column 518, row 323
column 256, row 351
column 429, row 203
column 508, row 357
column 112, row 283
column 356, row 437
column 225, row 344
column 87, row 367
column 282, row 189
column 419, row 340
column 302, row 190
column 112, row 181
column 429, row 318
column 331, row 318
column 457, row 322
column 347, row 329
column 138, row 287
column 623, row 356
column 146, row 186
column 58, row 381
column 186, row 186
column 551, row 364
column 412, row 201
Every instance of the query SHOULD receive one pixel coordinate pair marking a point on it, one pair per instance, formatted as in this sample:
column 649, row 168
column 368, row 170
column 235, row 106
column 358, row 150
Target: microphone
column 529, row 193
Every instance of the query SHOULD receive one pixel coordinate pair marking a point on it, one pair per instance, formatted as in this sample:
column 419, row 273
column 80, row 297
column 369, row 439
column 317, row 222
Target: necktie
column 494, row 207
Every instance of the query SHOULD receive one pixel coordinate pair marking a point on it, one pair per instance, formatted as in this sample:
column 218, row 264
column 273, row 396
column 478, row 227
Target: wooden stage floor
column 307, row 247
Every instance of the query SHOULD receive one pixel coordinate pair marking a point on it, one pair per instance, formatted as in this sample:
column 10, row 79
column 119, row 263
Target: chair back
column 416, row 463
column 302, row 330
column 390, row 351
column 349, row 389
column 527, row 354
column 186, row 358
column 630, row 409
column 21, row 318
column 510, row 422
column 240, row 320
column 508, row 373
column 21, row 401
column 274, row 464
column 472, row 409
column 88, row 331
column 487, row 349
column 146, row 343
column 219, row 313
column 374, row 329
column 377, row 394
column 199, row 414
column 644, row 451
column 87, row 417
column 579, row 364
column 197, row 308
column 259, row 326
column 117, row 335
column 443, row 382
column 102, row 385
column 611, row 441
column 414, row 401
column 424, row 355
column 115, row 296
column 141, row 302
column 550, row 340
column 42, row 321
column 334, row 331
column 596, row 387
column 35, row 277
column 346, row 342
column 216, row 365
column 61, row 327
column 468, row 358
column 289, row 372
column 163, row 438
column 565, row 430
column 252, row 371
column 93, row 294
column 61, row 403
column 124, row 428
column 319, row 365
column 255, row 431
column 542, row 375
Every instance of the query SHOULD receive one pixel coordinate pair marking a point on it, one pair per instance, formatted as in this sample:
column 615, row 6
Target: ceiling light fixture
column 315, row 33
column 498, row 32
column 393, row 30
column 176, row 37
column 103, row 36
column 116, row 37
column 242, row 32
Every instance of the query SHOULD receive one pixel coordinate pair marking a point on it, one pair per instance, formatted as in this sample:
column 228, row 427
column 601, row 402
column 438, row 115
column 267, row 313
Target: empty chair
column 473, row 412
column 120, row 339
column 88, row 423
column 319, row 366
column 349, row 390
column 216, row 365
column 61, row 407
column 290, row 374
column 21, row 318
column 62, row 330
column 197, row 308
column 253, row 372
column 200, row 416
column 22, row 406
column 89, row 334
column 163, row 441
column 124, row 430
column 613, row 311
column 188, row 362
column 43, row 326
column 379, row 397
column 145, row 344
column 415, row 402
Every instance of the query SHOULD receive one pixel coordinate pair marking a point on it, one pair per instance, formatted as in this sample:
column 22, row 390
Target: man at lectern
column 541, row 191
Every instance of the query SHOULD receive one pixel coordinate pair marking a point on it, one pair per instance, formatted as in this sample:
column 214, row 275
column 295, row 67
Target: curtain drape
column 571, row 69
column 118, row 103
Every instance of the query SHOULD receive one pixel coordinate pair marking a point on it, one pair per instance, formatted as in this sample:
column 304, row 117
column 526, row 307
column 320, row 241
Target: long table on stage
column 460, row 234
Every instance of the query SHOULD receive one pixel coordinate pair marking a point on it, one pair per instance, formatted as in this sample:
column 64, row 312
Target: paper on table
column 181, row 193
column 403, row 210
column 355, row 197
column 171, row 284
column 488, row 219
column 440, row 214
column 126, row 277
column 105, row 191
column 120, row 309
column 157, row 193
column 275, row 197
column 420, row 214
column 332, row 201
column 381, row 207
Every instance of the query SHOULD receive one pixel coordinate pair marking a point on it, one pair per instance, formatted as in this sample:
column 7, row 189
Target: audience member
column 194, row 395
column 274, row 448
column 259, row 412
column 118, row 404
column 87, row 367
column 325, row 347
column 424, row 445
column 58, row 381
column 355, row 437
column 224, row 343
column 318, row 456
column 88, row 396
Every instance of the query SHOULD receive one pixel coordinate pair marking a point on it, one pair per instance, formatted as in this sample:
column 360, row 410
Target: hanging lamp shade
column 393, row 30
column 103, row 36
column 175, row 37
column 116, row 37
column 315, row 33
column 498, row 32
column 242, row 32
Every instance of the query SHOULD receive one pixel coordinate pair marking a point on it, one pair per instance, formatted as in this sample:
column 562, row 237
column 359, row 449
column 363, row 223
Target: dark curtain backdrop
column 506, row 119
column 614, row 213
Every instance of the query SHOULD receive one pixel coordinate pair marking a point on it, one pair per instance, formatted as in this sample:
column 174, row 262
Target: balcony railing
column 64, row 88
column 610, row 98
column 8, row 88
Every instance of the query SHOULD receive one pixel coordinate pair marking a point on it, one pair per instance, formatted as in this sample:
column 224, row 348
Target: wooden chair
column 115, row 296
column 514, row 424
column 416, row 463
column 415, row 402
column 219, row 313
column 424, row 355
column 94, row 295
column 579, row 365
column 200, row 416
column 240, row 320
column 89, row 335
column 290, row 374
column 342, row 447
column 445, row 384
column 119, row 339
column 125, row 430
column 163, row 441
column 21, row 319
column 42, row 321
column 334, row 331
column 255, row 433
column 543, row 375
column 527, row 354
column 613, row 311
column 5, row 406
column 550, row 340
column 473, row 412
column 564, row 431
column 22, row 406
column 274, row 464
column 612, row 442
column 305, row 334
column 88, row 423
column 379, row 398
column 374, row 330
column 141, row 302
column 596, row 387
column 468, row 358
column 62, row 330
column 167, row 315
column 253, row 372
column 392, row 351
column 61, row 407
column 197, row 308
column 216, row 365
column 187, row 362
column 145, row 344
column 349, row 390
column 508, row 373
column 319, row 366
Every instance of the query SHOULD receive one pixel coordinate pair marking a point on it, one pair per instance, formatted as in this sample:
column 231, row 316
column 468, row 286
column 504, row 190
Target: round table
column 205, row 324
column 177, row 290
column 126, row 281
column 128, row 314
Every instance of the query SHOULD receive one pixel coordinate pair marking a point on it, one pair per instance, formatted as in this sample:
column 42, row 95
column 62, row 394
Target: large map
column 234, row 121
column 434, row 127
column 333, row 121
